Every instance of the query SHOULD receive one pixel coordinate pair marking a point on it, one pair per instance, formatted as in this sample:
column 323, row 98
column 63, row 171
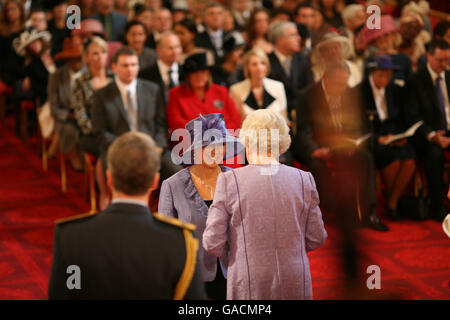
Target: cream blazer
column 240, row 91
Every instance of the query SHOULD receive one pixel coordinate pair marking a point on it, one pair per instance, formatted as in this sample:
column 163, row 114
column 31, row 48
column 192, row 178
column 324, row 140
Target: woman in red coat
column 198, row 95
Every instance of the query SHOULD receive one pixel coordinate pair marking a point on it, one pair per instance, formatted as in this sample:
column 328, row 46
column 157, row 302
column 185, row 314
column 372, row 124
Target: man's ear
column 155, row 183
column 109, row 180
column 113, row 67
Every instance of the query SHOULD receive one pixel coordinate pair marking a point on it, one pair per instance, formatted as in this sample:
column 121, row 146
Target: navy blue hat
column 381, row 61
column 208, row 130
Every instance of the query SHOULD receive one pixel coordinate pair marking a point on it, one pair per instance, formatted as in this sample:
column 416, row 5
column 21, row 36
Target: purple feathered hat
column 208, row 130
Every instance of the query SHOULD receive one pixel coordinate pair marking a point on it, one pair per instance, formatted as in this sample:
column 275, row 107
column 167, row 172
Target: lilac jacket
column 265, row 218
column 179, row 198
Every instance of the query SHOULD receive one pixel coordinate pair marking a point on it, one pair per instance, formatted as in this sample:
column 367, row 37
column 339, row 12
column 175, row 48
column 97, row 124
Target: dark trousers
column 433, row 158
column 341, row 179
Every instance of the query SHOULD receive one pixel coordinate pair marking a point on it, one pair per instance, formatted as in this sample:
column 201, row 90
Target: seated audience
column 382, row 99
column 130, row 104
column 198, row 95
column 58, row 25
column 113, row 248
column 113, row 22
column 354, row 17
column 328, row 117
column 427, row 99
column 287, row 64
column 135, row 37
column 257, row 91
column 212, row 37
column 383, row 41
column 257, row 30
column 227, row 72
column 259, row 205
column 333, row 48
column 38, row 18
column 186, row 30
column 161, row 23
column 304, row 15
column 60, row 89
column 165, row 72
column 94, row 77
column 331, row 15
column 188, row 194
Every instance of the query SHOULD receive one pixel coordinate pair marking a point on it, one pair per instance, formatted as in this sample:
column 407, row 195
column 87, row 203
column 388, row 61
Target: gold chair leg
column 90, row 175
column 62, row 163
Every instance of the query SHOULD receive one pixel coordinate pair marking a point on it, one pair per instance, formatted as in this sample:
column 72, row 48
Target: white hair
column 277, row 29
column 349, row 11
column 265, row 131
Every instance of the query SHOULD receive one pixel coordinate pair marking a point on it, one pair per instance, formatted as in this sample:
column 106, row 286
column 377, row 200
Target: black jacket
column 422, row 101
column 110, row 119
column 300, row 77
column 122, row 253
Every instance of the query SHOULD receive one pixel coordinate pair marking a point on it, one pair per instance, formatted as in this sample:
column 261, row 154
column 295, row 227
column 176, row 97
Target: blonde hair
column 258, row 53
column 98, row 41
column 265, row 131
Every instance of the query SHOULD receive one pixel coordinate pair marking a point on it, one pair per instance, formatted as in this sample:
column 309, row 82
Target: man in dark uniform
column 125, row 252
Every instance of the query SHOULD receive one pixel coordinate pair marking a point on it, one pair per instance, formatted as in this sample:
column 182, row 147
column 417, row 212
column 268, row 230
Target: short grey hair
column 257, row 132
column 332, row 67
column 349, row 11
column 134, row 161
column 277, row 29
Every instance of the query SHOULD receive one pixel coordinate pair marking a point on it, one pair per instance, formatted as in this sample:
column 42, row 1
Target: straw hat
column 330, row 37
column 28, row 36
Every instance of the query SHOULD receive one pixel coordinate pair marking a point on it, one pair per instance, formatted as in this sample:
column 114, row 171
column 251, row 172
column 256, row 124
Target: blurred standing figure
column 263, row 221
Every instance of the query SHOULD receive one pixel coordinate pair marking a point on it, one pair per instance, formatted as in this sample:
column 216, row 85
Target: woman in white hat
column 35, row 45
column 333, row 47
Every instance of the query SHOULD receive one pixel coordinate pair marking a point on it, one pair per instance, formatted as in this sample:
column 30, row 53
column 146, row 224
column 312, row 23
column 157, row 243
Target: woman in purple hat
column 188, row 194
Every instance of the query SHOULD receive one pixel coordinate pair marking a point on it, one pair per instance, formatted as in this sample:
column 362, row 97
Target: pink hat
column 387, row 25
column 89, row 26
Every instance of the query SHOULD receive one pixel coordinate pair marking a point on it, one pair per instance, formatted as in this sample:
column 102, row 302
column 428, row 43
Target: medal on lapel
column 218, row 104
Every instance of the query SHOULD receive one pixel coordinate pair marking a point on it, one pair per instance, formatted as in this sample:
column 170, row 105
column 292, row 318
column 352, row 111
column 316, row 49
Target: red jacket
column 184, row 105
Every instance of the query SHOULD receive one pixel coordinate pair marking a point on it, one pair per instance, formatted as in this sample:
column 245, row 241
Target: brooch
column 218, row 104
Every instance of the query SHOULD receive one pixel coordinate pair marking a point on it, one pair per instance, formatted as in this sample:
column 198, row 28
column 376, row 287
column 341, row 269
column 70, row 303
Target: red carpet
column 414, row 257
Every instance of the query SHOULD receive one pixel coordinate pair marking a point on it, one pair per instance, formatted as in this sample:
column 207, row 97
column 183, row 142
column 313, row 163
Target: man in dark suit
column 287, row 63
column 327, row 115
column 113, row 23
column 131, row 104
column 212, row 37
column 125, row 252
column 165, row 72
column 427, row 93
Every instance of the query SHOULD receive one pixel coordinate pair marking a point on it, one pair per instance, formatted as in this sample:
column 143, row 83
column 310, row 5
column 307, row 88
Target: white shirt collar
column 434, row 75
column 125, row 87
column 129, row 201
column 214, row 33
column 164, row 68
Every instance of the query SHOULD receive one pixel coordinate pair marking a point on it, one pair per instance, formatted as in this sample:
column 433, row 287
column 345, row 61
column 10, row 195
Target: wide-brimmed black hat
column 195, row 62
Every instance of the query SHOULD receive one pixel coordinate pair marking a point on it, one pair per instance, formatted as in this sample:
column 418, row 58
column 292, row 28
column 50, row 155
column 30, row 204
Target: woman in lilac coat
column 265, row 217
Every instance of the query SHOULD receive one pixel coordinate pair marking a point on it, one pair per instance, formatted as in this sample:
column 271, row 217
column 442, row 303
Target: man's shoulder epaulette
column 76, row 218
column 174, row 221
